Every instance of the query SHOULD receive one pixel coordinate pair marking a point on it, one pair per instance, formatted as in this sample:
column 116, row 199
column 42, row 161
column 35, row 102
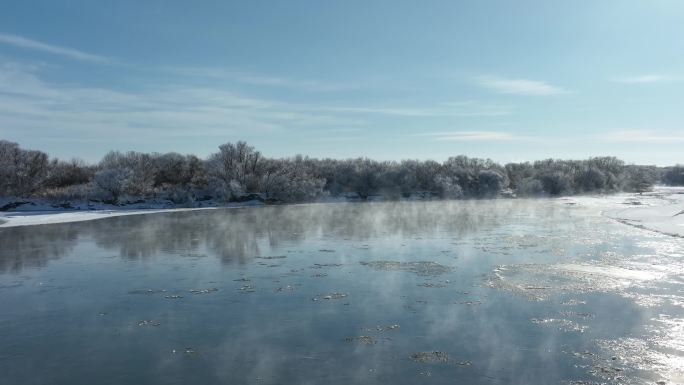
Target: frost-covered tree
column 448, row 187
column 365, row 180
column 237, row 171
column 290, row 180
column 674, row 176
column 590, row 178
column 179, row 178
column 518, row 173
column 529, row 187
column 22, row 172
column 111, row 183
column 477, row 177
column 9, row 155
column 71, row 173
column 640, row 178
column 555, row 183
column 138, row 168
column 489, row 183
column 234, row 170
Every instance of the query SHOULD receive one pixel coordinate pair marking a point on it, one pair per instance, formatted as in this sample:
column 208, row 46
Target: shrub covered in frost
column 238, row 172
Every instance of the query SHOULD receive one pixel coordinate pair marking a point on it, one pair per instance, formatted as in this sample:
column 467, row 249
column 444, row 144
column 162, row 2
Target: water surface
column 481, row 292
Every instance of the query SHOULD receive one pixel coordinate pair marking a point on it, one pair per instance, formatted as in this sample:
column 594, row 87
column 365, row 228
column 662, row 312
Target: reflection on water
column 508, row 291
column 235, row 235
column 34, row 248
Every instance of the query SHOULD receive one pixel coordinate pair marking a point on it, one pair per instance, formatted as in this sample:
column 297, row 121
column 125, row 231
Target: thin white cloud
column 519, row 86
column 413, row 112
column 330, row 139
column 22, row 42
column 258, row 80
column 452, row 109
column 649, row 78
column 30, row 105
column 471, row 136
column 614, row 136
column 642, row 136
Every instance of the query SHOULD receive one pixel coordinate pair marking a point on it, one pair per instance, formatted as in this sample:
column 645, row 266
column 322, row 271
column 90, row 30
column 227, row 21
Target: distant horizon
column 204, row 157
column 386, row 80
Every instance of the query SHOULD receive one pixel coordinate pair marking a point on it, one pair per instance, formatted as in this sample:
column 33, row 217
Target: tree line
column 238, row 172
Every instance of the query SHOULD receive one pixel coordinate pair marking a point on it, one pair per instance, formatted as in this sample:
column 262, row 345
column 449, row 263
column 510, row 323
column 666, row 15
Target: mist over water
column 478, row 292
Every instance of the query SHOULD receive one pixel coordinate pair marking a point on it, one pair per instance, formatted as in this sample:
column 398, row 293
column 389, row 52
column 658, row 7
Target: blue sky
column 508, row 80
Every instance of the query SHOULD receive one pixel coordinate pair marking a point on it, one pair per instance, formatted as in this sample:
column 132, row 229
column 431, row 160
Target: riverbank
column 43, row 213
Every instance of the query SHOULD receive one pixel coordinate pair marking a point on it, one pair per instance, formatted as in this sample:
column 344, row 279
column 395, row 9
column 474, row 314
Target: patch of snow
column 664, row 218
column 28, row 218
column 658, row 210
column 42, row 213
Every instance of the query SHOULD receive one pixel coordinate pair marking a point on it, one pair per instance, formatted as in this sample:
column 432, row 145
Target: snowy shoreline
column 661, row 210
column 667, row 219
column 31, row 218
column 40, row 213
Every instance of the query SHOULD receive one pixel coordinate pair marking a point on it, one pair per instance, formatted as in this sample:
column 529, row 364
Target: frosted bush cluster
column 238, row 172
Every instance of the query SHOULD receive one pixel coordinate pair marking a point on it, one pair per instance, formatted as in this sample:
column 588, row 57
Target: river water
column 473, row 292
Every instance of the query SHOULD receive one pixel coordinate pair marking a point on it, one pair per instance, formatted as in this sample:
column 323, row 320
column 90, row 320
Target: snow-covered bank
column 661, row 210
column 667, row 218
column 39, row 213
column 28, row 218
column 28, row 212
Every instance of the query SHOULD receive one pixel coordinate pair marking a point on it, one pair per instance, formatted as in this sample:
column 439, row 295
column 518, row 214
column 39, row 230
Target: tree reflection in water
column 235, row 235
